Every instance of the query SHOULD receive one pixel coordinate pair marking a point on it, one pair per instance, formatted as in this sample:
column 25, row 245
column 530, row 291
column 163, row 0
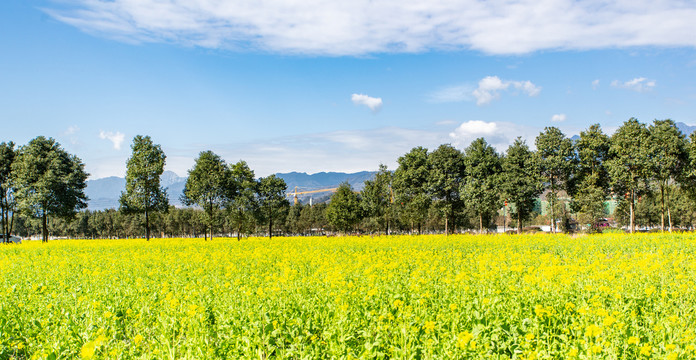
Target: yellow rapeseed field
column 524, row 297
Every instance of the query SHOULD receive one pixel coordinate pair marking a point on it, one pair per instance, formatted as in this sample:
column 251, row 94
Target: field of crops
column 525, row 297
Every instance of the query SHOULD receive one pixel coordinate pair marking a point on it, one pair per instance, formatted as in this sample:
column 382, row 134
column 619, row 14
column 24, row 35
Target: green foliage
column 273, row 204
column 556, row 163
column 591, row 181
column 7, row 200
column 209, row 186
column 242, row 207
column 668, row 157
column 629, row 163
column 447, row 167
column 410, row 185
column 377, row 198
column 49, row 181
column 344, row 210
column 143, row 192
column 481, row 191
column 520, row 182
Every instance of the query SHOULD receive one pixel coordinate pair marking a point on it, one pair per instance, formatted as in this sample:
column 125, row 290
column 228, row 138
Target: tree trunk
column 239, row 230
column 519, row 222
column 553, row 217
column 446, row 226
column 270, row 228
column 632, row 215
column 669, row 216
column 662, row 208
column 44, row 224
column 205, row 233
column 147, row 225
column 480, row 223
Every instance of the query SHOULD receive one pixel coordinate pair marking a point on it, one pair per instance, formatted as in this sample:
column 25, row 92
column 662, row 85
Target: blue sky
column 326, row 86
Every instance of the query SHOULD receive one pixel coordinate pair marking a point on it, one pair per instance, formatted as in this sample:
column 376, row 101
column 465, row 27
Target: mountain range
column 104, row 193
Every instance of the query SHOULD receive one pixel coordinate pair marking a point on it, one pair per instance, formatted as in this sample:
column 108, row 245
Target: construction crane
column 295, row 193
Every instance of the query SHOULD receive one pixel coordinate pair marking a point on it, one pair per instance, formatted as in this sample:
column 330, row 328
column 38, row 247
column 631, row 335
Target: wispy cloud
column 499, row 134
column 116, row 138
column 487, row 90
column 71, row 130
column 558, row 118
column 639, row 84
column 595, row 84
column 371, row 102
column 363, row 26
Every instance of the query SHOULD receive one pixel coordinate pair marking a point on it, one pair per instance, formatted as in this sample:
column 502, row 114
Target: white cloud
column 489, row 89
column 71, row 130
column 451, row 94
column 116, row 138
column 498, row 134
column 595, row 84
column 373, row 103
column 558, row 118
column 325, row 27
column 639, row 84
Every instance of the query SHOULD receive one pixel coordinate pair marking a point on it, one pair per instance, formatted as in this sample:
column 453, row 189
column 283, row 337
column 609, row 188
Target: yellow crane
column 295, row 193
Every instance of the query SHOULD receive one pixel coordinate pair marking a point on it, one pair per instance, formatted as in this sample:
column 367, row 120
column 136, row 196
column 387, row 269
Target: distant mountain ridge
column 104, row 193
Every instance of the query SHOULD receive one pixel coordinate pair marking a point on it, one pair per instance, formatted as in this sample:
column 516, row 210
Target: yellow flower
column 593, row 331
column 609, row 321
column 650, row 290
column 429, row 326
column 88, row 349
column 463, row 339
column 573, row 352
column 646, row 350
column 137, row 339
column 596, row 349
column 397, row 303
column 453, row 307
column 529, row 336
column 633, row 340
column 670, row 347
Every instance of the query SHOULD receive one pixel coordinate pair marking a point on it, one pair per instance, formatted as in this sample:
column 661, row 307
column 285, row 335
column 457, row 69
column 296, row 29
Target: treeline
column 648, row 171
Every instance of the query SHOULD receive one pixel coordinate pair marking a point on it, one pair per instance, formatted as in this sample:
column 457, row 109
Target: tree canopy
column 143, row 192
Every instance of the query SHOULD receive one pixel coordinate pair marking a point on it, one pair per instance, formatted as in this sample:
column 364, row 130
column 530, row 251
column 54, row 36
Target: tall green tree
column 7, row 201
column 344, row 210
column 479, row 190
column 143, row 194
column 410, row 186
column 521, row 181
column 377, row 197
column 49, row 181
column 556, row 159
column 243, row 206
column 628, row 164
column 209, row 186
column 272, row 201
column 446, row 177
column 591, row 177
column 668, row 157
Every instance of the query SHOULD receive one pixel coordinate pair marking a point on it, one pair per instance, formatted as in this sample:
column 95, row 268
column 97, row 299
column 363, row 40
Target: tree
column 49, row 181
column 209, row 186
column 411, row 186
column 628, row 163
column 668, row 156
column 7, row 201
column 377, row 197
column 344, row 210
column 143, row 194
column 243, row 205
column 446, row 177
column 272, row 200
column 479, row 190
column 591, row 177
column 521, row 181
column 556, row 159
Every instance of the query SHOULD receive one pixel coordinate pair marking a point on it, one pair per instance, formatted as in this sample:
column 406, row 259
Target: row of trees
column 444, row 188
column 577, row 176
